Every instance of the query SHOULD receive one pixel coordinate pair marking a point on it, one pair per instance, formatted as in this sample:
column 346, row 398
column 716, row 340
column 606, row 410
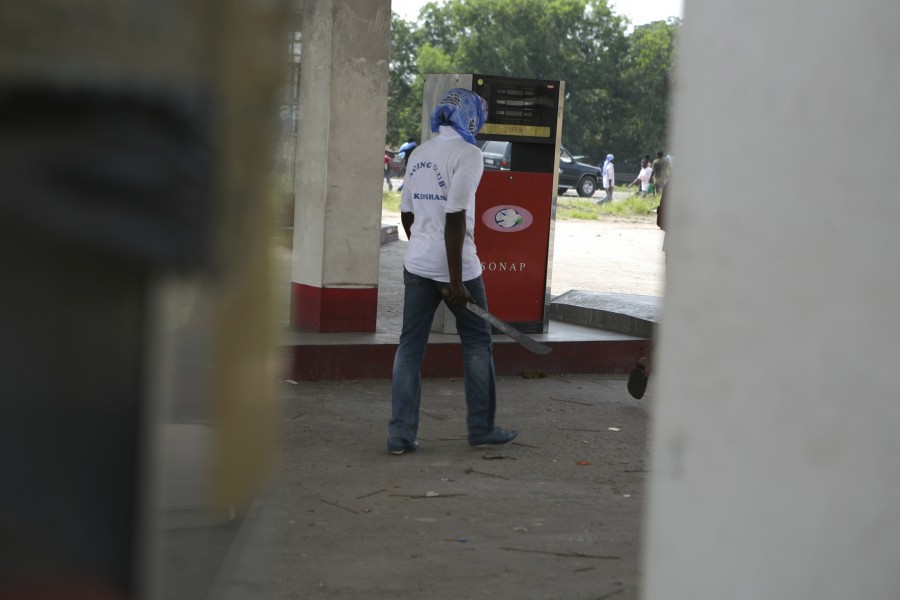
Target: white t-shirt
column 645, row 178
column 441, row 178
column 610, row 177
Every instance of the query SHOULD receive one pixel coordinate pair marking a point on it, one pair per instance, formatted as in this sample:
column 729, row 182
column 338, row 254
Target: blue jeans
column 421, row 300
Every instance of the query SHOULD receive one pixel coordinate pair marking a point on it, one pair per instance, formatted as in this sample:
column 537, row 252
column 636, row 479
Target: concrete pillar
column 775, row 443
column 343, row 114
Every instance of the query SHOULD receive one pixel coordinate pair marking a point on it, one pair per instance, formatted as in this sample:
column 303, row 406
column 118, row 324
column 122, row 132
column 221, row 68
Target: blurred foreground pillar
column 134, row 154
column 775, row 471
column 340, row 161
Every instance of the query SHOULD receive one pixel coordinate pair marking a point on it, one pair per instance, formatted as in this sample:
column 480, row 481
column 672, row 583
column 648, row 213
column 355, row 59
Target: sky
column 639, row 11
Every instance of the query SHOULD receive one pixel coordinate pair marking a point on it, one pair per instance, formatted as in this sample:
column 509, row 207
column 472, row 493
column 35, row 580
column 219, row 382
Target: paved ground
column 556, row 514
column 620, row 256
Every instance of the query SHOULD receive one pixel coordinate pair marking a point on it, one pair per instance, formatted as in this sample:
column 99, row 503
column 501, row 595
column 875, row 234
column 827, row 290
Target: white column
column 343, row 114
column 776, row 442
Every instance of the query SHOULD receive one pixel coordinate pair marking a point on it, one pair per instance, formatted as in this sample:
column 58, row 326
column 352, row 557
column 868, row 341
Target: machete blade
column 529, row 343
column 519, row 337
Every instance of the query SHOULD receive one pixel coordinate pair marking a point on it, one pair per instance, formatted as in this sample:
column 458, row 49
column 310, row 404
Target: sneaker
column 396, row 446
column 492, row 438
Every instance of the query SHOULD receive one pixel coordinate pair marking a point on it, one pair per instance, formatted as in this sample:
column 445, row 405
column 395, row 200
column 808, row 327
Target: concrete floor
column 556, row 514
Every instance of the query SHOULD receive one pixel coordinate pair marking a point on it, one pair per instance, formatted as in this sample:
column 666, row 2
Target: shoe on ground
column 492, row 438
column 637, row 381
column 396, row 446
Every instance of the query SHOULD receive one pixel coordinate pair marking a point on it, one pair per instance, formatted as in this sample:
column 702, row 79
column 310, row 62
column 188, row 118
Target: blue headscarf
column 609, row 159
column 463, row 110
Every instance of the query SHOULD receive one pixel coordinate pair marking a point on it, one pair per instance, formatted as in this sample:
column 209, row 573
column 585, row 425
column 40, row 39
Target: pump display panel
column 518, row 109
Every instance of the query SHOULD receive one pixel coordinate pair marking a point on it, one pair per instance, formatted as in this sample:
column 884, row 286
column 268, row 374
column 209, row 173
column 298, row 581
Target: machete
column 504, row 327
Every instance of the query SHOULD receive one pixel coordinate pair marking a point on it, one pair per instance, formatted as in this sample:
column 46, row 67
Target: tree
column 593, row 101
column 404, row 105
column 581, row 42
column 646, row 83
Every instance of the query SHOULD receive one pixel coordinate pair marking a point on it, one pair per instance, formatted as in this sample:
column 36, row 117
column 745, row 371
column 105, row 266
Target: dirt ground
column 556, row 514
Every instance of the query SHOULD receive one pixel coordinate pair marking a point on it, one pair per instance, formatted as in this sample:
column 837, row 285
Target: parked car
column 578, row 175
column 496, row 155
column 573, row 174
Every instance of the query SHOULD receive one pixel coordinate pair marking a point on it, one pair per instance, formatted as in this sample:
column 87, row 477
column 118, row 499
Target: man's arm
column 454, row 236
column 407, row 219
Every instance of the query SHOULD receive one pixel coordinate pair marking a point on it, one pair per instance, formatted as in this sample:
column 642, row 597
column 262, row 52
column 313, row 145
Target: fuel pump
column 515, row 208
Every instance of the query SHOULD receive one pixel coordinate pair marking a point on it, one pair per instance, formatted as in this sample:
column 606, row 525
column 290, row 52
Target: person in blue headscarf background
column 437, row 210
column 608, row 174
column 404, row 152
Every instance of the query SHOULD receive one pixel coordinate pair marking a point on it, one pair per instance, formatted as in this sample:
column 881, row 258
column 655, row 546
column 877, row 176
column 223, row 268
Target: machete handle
column 445, row 292
column 505, row 328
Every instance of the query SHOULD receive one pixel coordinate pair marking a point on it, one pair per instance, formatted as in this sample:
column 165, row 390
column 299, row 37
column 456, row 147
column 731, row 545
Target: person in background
column 660, row 172
column 644, row 177
column 437, row 210
column 387, row 171
column 405, row 151
column 640, row 373
column 608, row 174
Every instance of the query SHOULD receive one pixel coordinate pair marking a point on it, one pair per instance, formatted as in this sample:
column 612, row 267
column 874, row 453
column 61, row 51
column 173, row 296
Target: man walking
column 404, row 152
column 608, row 174
column 660, row 172
column 437, row 209
column 387, row 171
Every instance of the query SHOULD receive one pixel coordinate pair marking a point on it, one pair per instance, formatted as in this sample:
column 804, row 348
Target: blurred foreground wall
column 135, row 146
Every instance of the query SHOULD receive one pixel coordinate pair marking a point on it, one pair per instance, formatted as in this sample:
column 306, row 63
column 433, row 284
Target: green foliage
column 633, row 206
column 434, row 60
column 646, row 84
column 589, row 210
column 404, row 85
column 617, row 84
column 390, row 200
column 583, row 213
column 572, row 208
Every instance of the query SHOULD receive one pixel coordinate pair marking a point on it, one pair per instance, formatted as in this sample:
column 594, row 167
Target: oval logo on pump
column 507, row 218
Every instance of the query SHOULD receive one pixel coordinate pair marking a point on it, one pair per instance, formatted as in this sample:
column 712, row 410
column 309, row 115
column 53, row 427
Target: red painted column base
column 333, row 310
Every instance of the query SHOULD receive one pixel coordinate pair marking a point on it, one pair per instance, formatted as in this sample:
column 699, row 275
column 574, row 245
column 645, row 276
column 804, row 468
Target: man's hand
column 407, row 219
column 457, row 294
